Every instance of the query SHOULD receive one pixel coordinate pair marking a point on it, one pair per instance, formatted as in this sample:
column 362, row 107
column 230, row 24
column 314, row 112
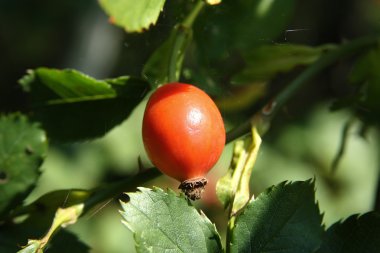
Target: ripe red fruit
column 183, row 134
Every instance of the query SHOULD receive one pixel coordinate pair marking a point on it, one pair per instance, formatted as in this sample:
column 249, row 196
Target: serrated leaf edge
column 285, row 183
column 169, row 191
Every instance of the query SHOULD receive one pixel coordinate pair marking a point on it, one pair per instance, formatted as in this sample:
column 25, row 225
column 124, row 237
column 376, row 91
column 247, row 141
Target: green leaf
column 33, row 247
column 12, row 236
column 163, row 222
column 233, row 188
column 51, row 201
column 226, row 32
column 283, row 219
column 226, row 187
column 132, row 15
column 72, row 106
column 65, row 241
column 62, row 218
column 70, row 83
column 241, row 25
column 264, row 62
column 40, row 215
column 356, row 234
column 165, row 64
column 23, row 146
column 366, row 73
column 367, row 66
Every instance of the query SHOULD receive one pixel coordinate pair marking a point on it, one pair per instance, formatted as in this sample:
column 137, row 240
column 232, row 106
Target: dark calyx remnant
column 193, row 188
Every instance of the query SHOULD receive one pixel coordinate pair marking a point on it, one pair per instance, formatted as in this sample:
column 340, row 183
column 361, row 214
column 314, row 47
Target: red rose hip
column 183, row 134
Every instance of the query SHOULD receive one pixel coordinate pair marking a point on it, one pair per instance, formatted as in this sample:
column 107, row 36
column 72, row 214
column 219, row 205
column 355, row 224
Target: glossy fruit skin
column 183, row 131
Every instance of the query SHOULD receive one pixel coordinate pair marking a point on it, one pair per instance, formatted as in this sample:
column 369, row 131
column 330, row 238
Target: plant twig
column 62, row 218
column 230, row 228
column 343, row 143
column 273, row 106
column 183, row 31
column 324, row 61
column 188, row 22
column 111, row 190
column 182, row 34
column 98, row 195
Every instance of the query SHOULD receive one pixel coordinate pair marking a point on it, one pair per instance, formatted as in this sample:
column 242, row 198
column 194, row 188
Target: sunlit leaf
column 233, row 188
column 72, row 106
column 132, row 15
column 68, row 83
column 163, row 222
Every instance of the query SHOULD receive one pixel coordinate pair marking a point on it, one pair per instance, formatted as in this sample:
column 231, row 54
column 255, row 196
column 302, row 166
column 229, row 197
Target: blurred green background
column 301, row 144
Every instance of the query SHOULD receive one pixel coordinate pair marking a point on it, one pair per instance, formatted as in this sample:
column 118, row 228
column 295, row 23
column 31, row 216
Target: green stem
column 63, row 217
column 324, row 61
column 189, row 20
column 181, row 32
column 114, row 189
column 343, row 143
column 230, row 228
column 102, row 193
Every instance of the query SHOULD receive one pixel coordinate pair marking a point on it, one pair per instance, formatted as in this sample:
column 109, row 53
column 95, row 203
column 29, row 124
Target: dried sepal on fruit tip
column 193, row 188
